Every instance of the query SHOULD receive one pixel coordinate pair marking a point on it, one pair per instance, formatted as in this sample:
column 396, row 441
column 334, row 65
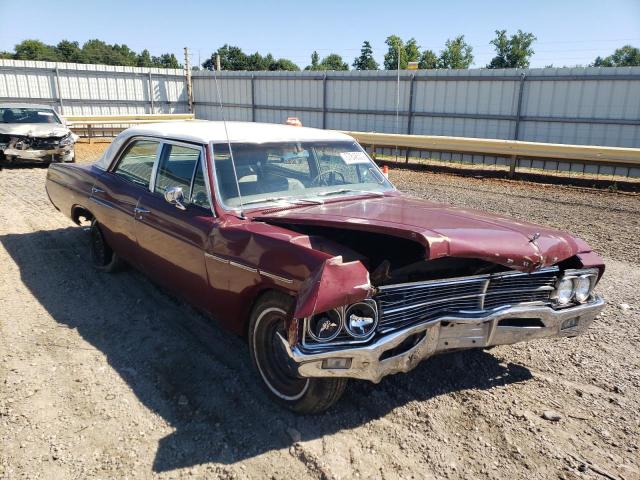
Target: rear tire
column 103, row 257
column 279, row 378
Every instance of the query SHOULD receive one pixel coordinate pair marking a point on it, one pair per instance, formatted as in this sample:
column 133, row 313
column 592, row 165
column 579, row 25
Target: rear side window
column 136, row 164
column 176, row 168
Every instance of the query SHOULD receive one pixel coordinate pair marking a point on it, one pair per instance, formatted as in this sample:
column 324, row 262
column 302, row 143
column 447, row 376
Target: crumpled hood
column 444, row 231
column 34, row 129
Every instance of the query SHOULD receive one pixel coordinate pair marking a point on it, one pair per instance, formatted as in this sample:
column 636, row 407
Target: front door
column 172, row 240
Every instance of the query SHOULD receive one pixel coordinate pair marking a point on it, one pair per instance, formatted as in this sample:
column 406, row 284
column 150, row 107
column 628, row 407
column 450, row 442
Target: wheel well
column 78, row 212
column 256, row 300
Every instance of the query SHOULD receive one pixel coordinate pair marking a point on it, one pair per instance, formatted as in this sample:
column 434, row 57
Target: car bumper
column 62, row 154
column 375, row 361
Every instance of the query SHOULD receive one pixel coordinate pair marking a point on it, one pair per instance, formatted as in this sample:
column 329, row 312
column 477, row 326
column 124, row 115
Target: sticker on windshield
column 354, row 157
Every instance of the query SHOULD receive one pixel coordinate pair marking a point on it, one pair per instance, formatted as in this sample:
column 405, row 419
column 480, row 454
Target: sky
column 569, row 32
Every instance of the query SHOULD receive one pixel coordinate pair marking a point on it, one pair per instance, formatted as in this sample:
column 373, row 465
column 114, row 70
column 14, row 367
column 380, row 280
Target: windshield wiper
column 266, row 200
column 350, row 190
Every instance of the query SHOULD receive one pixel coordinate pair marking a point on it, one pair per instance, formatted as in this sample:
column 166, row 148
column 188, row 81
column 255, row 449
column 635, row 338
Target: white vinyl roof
column 205, row 131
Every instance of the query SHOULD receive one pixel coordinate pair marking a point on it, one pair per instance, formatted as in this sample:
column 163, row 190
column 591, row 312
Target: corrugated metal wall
column 77, row 89
column 596, row 106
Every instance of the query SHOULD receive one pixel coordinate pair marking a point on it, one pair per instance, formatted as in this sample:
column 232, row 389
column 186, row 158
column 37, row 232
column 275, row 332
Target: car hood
column 34, row 129
column 445, row 231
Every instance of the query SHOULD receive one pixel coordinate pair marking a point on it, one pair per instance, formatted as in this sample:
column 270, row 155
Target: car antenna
column 226, row 132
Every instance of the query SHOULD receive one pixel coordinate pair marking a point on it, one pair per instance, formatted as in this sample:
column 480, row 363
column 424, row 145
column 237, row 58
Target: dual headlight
column 575, row 285
column 354, row 322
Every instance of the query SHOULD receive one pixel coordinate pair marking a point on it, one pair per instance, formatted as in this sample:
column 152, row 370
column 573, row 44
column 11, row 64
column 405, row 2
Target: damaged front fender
column 332, row 285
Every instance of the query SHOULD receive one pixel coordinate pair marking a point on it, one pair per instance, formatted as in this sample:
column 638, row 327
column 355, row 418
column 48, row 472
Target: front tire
column 102, row 256
column 281, row 381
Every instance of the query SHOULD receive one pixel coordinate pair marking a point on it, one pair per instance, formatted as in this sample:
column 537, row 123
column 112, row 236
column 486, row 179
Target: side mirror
column 174, row 196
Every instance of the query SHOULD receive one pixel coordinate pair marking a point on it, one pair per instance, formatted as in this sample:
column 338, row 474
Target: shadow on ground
column 195, row 376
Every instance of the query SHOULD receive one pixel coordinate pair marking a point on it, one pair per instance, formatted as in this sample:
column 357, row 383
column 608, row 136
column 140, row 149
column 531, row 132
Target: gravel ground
column 107, row 376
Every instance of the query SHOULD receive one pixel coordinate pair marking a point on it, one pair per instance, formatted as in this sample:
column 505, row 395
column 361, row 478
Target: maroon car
column 293, row 237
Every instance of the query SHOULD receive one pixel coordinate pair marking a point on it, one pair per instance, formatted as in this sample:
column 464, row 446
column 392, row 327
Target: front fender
column 332, row 285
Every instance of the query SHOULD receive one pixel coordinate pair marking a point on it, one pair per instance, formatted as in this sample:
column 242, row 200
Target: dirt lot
column 106, row 376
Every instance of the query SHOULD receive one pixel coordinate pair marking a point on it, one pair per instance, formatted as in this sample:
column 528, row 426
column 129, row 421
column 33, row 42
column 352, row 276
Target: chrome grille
column 409, row 303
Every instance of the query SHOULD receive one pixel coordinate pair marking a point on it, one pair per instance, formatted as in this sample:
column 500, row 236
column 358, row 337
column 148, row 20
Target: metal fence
column 79, row 89
column 585, row 106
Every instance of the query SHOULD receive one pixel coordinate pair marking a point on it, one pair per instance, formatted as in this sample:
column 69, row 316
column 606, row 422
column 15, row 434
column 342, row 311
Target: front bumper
column 60, row 154
column 377, row 360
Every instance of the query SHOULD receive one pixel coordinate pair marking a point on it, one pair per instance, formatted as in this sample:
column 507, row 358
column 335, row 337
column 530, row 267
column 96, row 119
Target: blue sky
column 569, row 32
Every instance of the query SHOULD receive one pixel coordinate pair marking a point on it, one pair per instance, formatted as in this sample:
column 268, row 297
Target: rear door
column 172, row 241
column 116, row 193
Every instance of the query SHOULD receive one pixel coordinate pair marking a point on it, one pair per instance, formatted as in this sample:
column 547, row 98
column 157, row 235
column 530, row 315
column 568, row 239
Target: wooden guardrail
column 90, row 125
column 513, row 149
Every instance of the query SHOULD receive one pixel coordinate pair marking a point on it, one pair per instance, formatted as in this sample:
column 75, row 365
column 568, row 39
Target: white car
column 34, row 133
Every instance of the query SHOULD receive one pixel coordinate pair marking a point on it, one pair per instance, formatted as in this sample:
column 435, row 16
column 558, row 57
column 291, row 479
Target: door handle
column 96, row 190
column 140, row 210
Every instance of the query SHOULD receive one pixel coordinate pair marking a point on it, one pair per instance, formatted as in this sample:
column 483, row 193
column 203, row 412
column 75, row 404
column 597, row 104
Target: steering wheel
column 331, row 180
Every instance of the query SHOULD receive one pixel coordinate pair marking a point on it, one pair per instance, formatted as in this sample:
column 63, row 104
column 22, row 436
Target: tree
column 365, row 61
column 144, row 59
column 69, row 51
column 284, row 64
column 166, row 60
column 35, row 50
column 408, row 53
column 428, row 60
column 513, row 52
column 315, row 62
column 456, row 54
column 626, row 56
column 333, row 61
column 6, row 55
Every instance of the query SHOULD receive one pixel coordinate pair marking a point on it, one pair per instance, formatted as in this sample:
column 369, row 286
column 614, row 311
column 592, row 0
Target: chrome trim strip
column 216, row 258
column 243, row 267
column 275, row 277
column 100, row 202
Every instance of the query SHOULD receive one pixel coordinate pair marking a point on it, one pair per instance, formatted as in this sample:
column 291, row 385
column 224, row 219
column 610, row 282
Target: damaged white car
column 34, row 133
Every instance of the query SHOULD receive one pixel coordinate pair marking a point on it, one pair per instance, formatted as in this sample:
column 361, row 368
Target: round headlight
column 582, row 288
column 564, row 291
column 361, row 319
column 325, row 326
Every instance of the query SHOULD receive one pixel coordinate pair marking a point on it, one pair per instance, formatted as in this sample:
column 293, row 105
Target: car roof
column 205, row 131
column 25, row 105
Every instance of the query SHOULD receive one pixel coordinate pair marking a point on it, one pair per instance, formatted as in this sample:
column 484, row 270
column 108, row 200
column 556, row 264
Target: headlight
column 361, row 319
column 564, row 291
column 582, row 288
column 66, row 141
column 325, row 326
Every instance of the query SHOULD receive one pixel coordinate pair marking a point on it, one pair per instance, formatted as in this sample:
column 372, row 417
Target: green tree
column 626, row 56
column 512, row 52
column 365, row 61
column 97, row 51
column 409, row 52
column 283, row 64
column 35, row 50
column 333, row 61
column 144, row 59
column 428, row 60
column 166, row 60
column 6, row 55
column 315, row 62
column 69, row 51
column 456, row 54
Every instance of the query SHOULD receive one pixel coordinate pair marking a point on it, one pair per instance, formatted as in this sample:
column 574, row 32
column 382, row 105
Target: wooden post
column 253, row 97
column 187, row 72
column 513, row 165
column 324, row 101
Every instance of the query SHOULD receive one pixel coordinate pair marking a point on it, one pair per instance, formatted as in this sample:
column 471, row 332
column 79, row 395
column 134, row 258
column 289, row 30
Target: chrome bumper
column 442, row 334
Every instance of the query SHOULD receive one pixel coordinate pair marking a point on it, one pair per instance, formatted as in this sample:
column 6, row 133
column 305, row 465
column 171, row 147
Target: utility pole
column 218, row 68
column 187, row 74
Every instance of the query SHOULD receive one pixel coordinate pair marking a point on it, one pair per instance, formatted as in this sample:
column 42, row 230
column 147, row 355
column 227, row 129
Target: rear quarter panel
column 69, row 185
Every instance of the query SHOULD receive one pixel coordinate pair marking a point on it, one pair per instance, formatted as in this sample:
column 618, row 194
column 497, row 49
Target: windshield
column 295, row 172
column 28, row 115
